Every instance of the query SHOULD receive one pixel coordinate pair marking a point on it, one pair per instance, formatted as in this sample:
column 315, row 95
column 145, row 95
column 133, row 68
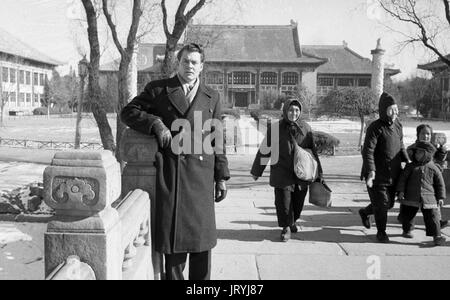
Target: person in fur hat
column 421, row 186
column 290, row 192
column 424, row 134
column 383, row 153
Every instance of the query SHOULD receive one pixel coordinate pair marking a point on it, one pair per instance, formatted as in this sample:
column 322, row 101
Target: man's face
column 190, row 66
column 392, row 112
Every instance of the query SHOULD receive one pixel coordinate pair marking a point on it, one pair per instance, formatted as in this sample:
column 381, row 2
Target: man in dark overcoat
column 192, row 167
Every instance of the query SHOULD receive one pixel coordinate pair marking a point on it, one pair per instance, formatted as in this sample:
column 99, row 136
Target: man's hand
column 221, row 191
column 401, row 196
column 162, row 133
column 441, row 203
column 255, row 178
column 370, row 178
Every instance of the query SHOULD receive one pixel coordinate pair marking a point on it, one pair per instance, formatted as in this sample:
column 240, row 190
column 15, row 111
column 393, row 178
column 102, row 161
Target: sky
column 53, row 26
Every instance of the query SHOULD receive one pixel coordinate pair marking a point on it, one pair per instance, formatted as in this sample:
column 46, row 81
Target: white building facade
column 23, row 73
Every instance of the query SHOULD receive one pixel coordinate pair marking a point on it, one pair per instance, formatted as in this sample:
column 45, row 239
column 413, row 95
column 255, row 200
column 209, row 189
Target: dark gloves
column 221, row 191
column 162, row 134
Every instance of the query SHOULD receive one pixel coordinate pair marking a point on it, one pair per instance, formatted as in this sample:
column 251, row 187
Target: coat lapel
column 176, row 96
column 201, row 101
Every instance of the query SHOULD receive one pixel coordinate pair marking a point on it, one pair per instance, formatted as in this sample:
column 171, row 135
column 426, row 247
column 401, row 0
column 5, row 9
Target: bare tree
column 94, row 91
column 182, row 19
column 358, row 102
column 125, row 75
column 430, row 30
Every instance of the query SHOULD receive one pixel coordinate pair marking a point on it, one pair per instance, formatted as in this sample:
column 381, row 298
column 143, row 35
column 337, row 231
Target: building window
column 21, row 99
column 22, row 77
column 35, row 79
column 36, row 99
column 28, row 78
column 269, row 78
column 12, row 98
column 325, row 81
column 12, row 75
column 42, row 79
column 364, row 82
column 28, row 97
column 230, row 78
column 345, row 82
column 5, row 74
column 242, row 78
column 214, row 78
column 445, row 84
column 290, row 78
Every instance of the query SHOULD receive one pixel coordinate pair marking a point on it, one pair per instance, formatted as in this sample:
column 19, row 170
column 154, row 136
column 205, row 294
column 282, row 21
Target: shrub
column 255, row 114
column 40, row 111
column 231, row 112
column 325, row 142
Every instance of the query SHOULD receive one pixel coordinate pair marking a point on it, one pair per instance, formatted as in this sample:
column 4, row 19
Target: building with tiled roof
column 23, row 72
column 344, row 67
column 246, row 64
column 441, row 71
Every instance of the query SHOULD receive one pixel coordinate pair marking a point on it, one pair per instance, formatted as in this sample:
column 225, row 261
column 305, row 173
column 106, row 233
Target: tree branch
column 137, row 13
column 406, row 12
column 447, row 10
column 195, row 9
column 164, row 11
column 113, row 28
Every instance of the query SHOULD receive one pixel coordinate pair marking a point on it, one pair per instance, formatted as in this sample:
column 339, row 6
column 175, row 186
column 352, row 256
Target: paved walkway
column 332, row 244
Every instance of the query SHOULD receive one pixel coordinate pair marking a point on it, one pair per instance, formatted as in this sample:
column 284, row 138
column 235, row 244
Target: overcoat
column 422, row 182
column 185, row 207
column 281, row 154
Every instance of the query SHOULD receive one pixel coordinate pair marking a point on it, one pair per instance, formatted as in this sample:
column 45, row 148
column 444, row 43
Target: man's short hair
column 192, row 47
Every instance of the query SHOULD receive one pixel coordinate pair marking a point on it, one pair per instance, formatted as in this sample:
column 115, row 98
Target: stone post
column 378, row 69
column 81, row 186
column 138, row 152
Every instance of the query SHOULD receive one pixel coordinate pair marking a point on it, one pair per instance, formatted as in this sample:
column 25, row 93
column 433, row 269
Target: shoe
column 439, row 240
column 285, row 234
column 364, row 218
column 294, row 228
column 382, row 237
column 408, row 235
column 444, row 223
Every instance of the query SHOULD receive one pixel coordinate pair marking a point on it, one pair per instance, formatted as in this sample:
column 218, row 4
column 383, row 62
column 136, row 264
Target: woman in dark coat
column 383, row 154
column 290, row 192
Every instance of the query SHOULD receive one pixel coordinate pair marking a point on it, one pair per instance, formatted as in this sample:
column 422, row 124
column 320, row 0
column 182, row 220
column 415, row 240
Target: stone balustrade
column 72, row 269
column 107, row 232
column 138, row 154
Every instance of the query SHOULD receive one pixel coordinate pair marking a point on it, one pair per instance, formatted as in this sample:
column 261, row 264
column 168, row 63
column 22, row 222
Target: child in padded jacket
column 421, row 186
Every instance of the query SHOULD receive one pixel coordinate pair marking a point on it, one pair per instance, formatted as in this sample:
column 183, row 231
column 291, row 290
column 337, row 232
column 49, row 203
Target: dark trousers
column 382, row 198
column 431, row 218
column 199, row 266
column 289, row 205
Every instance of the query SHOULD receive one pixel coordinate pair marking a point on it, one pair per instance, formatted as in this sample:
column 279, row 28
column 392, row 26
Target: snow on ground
column 15, row 175
column 10, row 234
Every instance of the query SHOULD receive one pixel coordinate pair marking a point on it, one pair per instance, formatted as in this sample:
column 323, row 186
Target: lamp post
column 82, row 72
